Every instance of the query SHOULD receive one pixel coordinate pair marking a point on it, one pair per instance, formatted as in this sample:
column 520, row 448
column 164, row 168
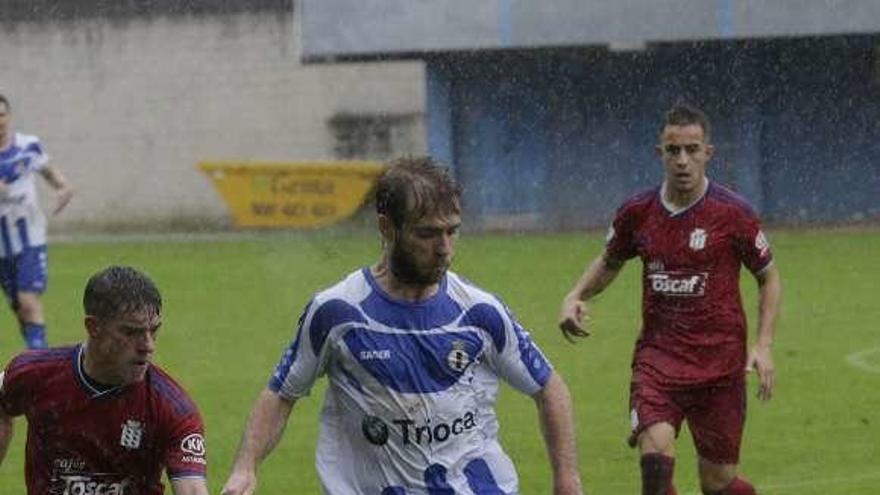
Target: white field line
column 862, row 359
column 785, row 486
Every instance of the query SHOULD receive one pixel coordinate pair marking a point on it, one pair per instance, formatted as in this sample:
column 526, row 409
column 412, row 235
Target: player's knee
column 714, row 479
column 658, row 438
column 29, row 308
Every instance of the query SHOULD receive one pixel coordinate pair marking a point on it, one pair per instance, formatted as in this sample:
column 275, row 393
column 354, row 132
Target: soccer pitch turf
column 231, row 306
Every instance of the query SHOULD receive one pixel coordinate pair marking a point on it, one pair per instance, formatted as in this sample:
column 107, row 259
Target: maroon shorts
column 715, row 415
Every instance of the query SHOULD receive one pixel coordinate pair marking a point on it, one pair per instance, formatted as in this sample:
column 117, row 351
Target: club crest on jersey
column 458, row 358
column 132, row 432
column 698, row 239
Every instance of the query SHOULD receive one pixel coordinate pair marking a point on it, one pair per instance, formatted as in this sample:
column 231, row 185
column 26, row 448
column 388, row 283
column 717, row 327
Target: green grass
column 231, row 306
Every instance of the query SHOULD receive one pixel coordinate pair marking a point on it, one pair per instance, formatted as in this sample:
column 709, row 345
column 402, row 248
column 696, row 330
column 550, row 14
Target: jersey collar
column 93, row 389
column 374, row 284
column 678, row 210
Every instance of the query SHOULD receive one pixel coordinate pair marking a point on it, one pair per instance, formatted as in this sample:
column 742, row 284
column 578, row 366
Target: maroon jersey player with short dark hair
column 102, row 419
column 692, row 236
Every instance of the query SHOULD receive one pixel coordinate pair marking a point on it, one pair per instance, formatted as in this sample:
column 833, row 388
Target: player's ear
column 710, row 150
column 93, row 326
column 386, row 228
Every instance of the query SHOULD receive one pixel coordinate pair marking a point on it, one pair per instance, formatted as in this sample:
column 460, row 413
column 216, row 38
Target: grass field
column 231, row 305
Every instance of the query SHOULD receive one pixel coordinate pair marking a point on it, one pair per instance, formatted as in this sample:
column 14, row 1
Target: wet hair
column 118, row 290
column 682, row 114
column 5, row 101
column 414, row 187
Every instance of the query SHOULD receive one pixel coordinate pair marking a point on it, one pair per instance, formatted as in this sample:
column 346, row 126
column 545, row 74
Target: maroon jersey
column 693, row 325
column 88, row 442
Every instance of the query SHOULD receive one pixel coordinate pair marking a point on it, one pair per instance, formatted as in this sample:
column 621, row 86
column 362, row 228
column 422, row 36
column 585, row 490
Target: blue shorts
column 27, row 271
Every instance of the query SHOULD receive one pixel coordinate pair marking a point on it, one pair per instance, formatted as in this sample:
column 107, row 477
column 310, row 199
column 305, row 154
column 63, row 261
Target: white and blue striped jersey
column 22, row 222
column 409, row 408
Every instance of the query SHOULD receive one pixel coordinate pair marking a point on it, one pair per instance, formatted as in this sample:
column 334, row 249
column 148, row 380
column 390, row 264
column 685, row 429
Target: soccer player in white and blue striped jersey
column 23, row 268
column 414, row 355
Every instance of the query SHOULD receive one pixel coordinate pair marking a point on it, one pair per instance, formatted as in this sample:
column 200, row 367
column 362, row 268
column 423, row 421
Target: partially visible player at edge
column 101, row 417
column 414, row 355
column 690, row 360
column 23, row 261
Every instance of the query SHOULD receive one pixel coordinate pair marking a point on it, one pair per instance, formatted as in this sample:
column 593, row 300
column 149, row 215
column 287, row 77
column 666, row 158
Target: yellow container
column 296, row 194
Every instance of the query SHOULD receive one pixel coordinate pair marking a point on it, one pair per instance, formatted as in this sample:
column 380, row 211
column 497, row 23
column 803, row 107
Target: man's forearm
column 557, row 426
column 189, row 486
column 264, row 429
column 595, row 278
column 769, row 298
column 55, row 178
column 6, row 431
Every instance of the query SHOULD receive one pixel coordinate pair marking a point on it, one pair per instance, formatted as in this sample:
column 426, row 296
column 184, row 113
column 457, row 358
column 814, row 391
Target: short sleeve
column 186, row 454
column 14, row 388
column 39, row 157
column 513, row 354
column 752, row 244
column 33, row 150
column 305, row 358
column 619, row 242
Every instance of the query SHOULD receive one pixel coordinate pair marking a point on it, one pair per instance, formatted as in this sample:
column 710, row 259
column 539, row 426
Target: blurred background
column 170, row 116
column 547, row 111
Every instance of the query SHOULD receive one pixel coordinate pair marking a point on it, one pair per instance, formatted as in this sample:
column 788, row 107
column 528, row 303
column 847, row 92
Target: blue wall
column 554, row 139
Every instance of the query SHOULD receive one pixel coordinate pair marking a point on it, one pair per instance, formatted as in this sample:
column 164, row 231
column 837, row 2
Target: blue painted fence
column 557, row 138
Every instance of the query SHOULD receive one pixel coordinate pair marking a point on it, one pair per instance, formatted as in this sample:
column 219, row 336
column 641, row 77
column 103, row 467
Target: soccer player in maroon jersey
column 102, row 419
column 690, row 360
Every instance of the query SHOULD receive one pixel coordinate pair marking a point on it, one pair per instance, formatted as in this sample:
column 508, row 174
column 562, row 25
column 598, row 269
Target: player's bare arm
column 63, row 191
column 264, row 429
column 598, row 275
column 557, row 426
column 189, row 486
column 6, row 430
column 761, row 356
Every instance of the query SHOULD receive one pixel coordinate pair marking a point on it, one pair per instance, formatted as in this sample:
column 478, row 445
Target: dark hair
column 4, row 100
column 413, row 187
column 117, row 290
column 682, row 114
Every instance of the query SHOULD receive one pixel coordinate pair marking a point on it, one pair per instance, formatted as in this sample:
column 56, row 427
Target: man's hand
column 62, row 197
column 240, row 483
column 572, row 318
column 761, row 360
